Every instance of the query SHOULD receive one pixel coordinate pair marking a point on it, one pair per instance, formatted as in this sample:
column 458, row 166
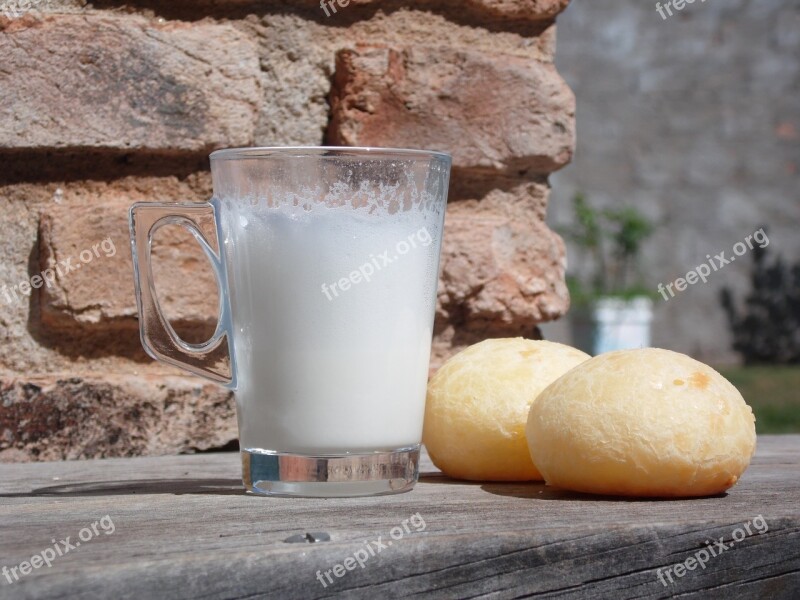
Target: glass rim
column 244, row 153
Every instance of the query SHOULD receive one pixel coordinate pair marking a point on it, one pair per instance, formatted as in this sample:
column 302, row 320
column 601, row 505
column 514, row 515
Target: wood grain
column 183, row 528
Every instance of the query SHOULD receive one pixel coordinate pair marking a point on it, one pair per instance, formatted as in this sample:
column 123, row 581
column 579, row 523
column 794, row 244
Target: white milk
column 336, row 371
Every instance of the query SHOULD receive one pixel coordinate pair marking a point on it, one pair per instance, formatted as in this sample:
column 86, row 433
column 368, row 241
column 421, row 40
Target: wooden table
column 183, row 528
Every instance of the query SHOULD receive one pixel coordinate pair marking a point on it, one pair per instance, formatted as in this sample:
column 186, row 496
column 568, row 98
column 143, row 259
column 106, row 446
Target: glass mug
column 327, row 268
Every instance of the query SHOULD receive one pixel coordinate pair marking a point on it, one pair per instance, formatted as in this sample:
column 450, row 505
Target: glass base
column 271, row 473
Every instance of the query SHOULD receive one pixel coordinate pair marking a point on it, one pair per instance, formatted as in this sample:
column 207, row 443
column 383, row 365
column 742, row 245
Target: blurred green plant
column 612, row 240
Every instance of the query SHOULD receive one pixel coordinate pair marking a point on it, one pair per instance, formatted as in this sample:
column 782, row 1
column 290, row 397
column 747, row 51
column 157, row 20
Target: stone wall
column 695, row 119
column 114, row 103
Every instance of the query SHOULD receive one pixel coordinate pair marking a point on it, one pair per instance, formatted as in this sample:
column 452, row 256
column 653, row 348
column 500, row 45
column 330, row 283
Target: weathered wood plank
column 184, row 529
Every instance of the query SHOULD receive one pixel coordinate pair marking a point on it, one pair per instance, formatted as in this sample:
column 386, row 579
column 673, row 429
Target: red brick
column 100, row 294
column 522, row 10
column 532, row 10
column 50, row 418
column 126, row 82
column 493, row 113
column 502, row 269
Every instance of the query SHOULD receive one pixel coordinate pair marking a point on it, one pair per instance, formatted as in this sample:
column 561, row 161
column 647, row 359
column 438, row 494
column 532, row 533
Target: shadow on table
column 540, row 491
column 177, row 487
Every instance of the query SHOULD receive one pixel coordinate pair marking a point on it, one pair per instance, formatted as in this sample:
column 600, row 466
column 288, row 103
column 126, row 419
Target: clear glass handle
column 212, row 359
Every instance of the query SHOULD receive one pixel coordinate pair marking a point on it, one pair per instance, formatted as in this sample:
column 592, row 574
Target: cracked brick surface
column 126, row 83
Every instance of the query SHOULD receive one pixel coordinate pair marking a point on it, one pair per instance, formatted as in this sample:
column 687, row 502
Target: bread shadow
column 542, row 491
column 538, row 490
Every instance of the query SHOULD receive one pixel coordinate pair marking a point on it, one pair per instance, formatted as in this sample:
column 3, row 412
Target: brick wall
column 104, row 106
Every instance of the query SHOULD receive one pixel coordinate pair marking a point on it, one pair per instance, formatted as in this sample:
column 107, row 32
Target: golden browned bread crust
column 478, row 405
column 646, row 422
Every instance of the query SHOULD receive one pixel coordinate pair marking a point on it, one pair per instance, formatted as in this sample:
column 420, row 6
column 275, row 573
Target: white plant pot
column 621, row 324
column 614, row 324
